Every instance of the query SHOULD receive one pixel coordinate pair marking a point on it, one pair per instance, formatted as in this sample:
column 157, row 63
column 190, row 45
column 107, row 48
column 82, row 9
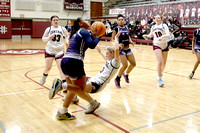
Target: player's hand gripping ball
column 98, row 29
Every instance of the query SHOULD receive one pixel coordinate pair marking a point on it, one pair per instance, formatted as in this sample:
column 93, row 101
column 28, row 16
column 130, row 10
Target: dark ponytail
column 76, row 26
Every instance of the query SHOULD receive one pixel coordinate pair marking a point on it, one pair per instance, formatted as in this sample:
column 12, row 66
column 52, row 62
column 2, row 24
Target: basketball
column 99, row 28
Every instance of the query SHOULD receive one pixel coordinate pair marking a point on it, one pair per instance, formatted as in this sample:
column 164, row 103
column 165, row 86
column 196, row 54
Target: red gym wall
column 5, row 29
column 38, row 28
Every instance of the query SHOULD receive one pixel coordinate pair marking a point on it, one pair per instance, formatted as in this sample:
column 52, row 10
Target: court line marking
column 19, row 92
column 173, row 118
column 109, row 122
column 2, row 127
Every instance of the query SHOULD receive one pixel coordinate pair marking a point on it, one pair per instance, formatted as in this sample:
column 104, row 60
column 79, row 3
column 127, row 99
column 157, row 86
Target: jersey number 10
column 158, row 34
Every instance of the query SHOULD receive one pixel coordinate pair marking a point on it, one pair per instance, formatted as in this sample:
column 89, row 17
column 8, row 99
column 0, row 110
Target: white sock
column 63, row 110
column 64, row 85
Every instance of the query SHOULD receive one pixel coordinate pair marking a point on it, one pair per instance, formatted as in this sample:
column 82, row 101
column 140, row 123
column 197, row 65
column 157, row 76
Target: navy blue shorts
column 73, row 68
column 125, row 52
column 197, row 50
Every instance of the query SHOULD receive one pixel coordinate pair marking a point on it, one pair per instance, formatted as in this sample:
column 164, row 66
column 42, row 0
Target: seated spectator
column 131, row 23
column 145, row 31
column 170, row 21
column 176, row 22
column 171, row 39
column 114, row 25
column 176, row 31
column 143, row 22
column 139, row 28
column 186, row 38
column 178, row 41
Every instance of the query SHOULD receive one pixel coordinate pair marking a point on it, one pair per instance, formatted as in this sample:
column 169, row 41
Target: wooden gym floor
column 138, row 107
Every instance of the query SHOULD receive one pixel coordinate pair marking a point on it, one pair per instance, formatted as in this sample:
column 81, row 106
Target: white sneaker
column 93, row 106
column 160, row 82
column 43, row 79
column 56, row 87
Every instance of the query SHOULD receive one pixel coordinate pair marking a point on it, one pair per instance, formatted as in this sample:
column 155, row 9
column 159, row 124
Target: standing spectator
column 68, row 26
column 108, row 29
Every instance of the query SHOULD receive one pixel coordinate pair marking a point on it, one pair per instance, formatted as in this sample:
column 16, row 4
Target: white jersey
column 55, row 46
column 199, row 13
column 187, row 11
column 193, row 12
column 181, row 13
column 160, row 32
column 109, row 70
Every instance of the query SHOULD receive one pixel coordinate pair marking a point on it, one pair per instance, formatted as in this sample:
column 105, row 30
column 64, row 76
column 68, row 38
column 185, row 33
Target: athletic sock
column 63, row 110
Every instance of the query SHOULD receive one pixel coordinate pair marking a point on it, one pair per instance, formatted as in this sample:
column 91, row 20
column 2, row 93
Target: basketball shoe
column 191, row 75
column 65, row 116
column 117, row 83
column 160, row 82
column 56, row 87
column 126, row 78
column 93, row 106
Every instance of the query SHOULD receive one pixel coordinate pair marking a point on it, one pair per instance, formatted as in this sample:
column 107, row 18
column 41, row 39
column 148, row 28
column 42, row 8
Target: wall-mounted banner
column 73, row 5
column 4, row 8
column 117, row 11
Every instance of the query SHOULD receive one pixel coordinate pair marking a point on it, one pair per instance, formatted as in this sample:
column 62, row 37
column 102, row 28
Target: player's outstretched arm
column 117, row 46
column 99, row 50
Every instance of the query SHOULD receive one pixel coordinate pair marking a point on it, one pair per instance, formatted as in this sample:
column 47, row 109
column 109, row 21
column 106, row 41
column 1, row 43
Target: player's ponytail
column 76, row 26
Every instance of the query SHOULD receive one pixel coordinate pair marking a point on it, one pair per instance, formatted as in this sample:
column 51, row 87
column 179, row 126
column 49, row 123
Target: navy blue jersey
column 197, row 38
column 124, row 36
column 79, row 43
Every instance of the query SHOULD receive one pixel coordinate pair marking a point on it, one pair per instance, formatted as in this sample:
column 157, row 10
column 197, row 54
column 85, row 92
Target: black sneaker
column 191, row 75
column 117, row 83
column 126, row 78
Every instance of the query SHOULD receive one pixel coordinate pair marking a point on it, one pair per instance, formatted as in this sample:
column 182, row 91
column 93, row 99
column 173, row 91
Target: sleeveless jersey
column 124, row 36
column 181, row 13
column 197, row 39
column 160, row 31
column 55, row 46
column 199, row 13
column 187, row 11
column 109, row 70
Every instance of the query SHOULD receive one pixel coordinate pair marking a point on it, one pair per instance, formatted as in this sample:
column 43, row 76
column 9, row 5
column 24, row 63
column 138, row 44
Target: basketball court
column 138, row 107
